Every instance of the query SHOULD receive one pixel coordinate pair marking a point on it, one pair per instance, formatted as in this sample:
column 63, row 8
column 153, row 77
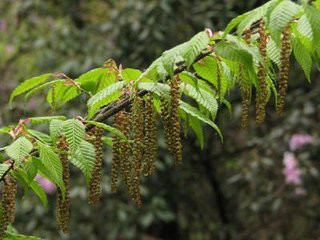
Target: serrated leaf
column 74, row 131
column 41, row 120
column 104, row 97
column 60, row 94
column 232, row 52
column 131, row 74
column 313, row 16
column 85, row 158
column 233, row 23
column 45, row 138
column 207, row 69
column 19, row 149
column 52, row 164
column 155, row 87
column 39, row 88
column 280, row 17
column 197, row 114
column 273, row 51
column 195, row 46
column 96, row 79
column 3, row 169
column 110, row 129
column 303, row 57
column 28, row 85
column 55, row 129
column 40, row 193
column 197, row 128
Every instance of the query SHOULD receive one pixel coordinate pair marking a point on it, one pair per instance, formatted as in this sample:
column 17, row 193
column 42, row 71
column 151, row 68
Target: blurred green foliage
column 234, row 190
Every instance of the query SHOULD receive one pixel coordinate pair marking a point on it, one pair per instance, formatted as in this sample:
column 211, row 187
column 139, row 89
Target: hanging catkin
column 284, row 68
column 120, row 151
column 245, row 90
column 8, row 204
column 137, row 147
column 150, row 140
column 167, row 125
column 175, row 120
column 262, row 91
column 63, row 205
column 96, row 178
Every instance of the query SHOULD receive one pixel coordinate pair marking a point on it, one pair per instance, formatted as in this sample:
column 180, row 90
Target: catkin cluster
column 8, row 204
column 150, row 140
column 284, row 68
column 262, row 94
column 137, row 120
column 63, row 205
column 121, row 152
column 96, row 178
column 171, row 123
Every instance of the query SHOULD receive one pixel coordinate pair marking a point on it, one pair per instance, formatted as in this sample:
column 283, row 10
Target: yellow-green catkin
column 137, row 148
column 262, row 91
column 245, row 90
column 8, row 204
column 63, row 205
column 284, row 68
column 150, row 140
column 96, row 178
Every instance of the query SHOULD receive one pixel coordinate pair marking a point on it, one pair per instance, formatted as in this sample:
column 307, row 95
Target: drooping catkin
column 245, row 93
column 63, row 205
column 150, row 140
column 8, row 204
column 120, row 151
column 284, row 68
column 96, row 178
column 137, row 147
column 262, row 91
column 167, row 125
column 175, row 120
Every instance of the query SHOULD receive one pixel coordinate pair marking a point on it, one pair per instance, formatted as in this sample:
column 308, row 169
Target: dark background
column 234, row 190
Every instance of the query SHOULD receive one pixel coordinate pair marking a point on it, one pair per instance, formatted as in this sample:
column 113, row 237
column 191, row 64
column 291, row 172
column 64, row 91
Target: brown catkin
column 8, row 204
column 245, row 93
column 63, row 205
column 137, row 147
column 284, row 68
column 150, row 140
column 120, row 151
column 175, row 120
column 96, row 178
column 165, row 118
column 247, row 35
column 262, row 91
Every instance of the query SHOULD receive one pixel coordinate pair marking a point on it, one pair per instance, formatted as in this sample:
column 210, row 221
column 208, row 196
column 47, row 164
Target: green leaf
column 273, row 51
column 197, row 128
column 55, row 129
column 5, row 130
column 40, row 193
column 19, row 149
column 104, row 97
column 197, row 114
column 234, row 22
column 3, row 169
column 108, row 128
column 41, row 120
column 158, row 88
column 52, row 164
column 16, row 236
column 39, row 88
column 303, row 57
column 207, row 69
column 232, row 52
column 28, row 85
column 85, row 158
column 60, row 94
column 40, row 136
column 195, row 46
column 280, row 18
column 74, row 131
column 313, row 16
column 131, row 74
column 96, row 79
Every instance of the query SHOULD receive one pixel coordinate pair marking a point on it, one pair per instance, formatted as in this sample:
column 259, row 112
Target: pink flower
column 291, row 169
column 47, row 186
column 297, row 141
